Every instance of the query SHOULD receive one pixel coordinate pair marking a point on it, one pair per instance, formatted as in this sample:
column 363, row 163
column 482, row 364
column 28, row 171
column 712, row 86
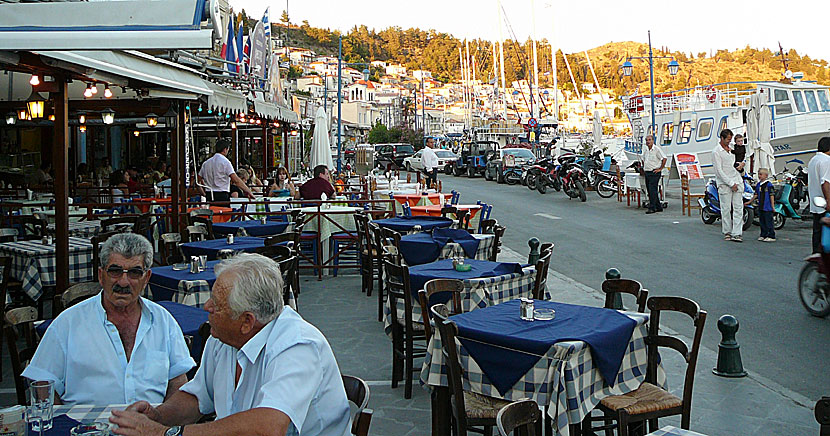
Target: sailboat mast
column 596, row 82
column 463, row 82
column 535, row 112
column 495, row 80
column 576, row 88
column 555, row 81
column 501, row 63
column 469, row 93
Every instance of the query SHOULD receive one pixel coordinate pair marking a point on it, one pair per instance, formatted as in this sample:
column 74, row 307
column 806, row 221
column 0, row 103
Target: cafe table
column 487, row 283
column 435, row 210
column 252, row 227
column 407, row 223
column 33, row 263
column 144, row 204
column 425, row 247
column 220, row 214
column 211, row 247
column 327, row 220
column 80, row 229
column 68, row 416
column 567, row 364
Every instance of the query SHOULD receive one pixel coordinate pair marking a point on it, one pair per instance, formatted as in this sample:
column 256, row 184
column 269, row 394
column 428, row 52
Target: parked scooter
column 813, row 282
column 607, row 184
column 710, row 204
column 783, row 206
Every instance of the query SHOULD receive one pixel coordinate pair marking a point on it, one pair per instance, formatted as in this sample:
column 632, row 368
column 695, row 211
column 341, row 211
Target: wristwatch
column 176, row 430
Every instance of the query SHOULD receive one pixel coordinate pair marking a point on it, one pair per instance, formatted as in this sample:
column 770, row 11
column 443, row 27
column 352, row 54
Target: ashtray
column 94, row 429
column 463, row 267
column 180, row 266
column 544, row 314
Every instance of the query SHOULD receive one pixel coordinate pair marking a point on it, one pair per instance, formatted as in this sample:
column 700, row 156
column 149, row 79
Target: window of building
column 685, row 132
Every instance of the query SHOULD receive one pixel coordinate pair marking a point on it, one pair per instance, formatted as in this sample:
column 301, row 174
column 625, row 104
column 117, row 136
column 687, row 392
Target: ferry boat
column 690, row 120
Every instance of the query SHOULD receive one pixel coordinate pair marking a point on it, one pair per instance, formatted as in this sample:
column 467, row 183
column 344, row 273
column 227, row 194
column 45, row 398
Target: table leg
column 440, row 401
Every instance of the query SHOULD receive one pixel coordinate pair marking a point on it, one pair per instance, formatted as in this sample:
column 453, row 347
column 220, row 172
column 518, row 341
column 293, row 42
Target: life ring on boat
column 711, row 94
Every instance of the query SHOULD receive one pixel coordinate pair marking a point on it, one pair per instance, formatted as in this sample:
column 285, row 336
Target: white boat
column 690, row 120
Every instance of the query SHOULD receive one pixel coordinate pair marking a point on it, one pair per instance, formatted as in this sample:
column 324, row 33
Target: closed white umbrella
column 320, row 145
column 765, row 158
column 597, row 130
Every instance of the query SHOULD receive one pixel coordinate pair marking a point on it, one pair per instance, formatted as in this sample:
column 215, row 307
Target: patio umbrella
column 752, row 143
column 597, row 130
column 320, row 146
column 765, row 156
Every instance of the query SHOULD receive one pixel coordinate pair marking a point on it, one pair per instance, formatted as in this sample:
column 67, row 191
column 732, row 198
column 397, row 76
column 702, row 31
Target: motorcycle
column 813, row 283
column 568, row 176
column 607, row 184
column 783, row 206
column 536, row 170
column 592, row 165
column 710, row 203
column 798, row 181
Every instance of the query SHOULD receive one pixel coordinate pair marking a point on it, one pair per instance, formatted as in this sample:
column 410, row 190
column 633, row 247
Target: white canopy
column 320, row 145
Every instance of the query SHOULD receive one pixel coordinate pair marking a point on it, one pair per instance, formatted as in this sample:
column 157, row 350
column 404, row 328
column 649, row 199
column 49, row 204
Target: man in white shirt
column 654, row 160
column 818, row 185
column 264, row 370
column 217, row 174
column 730, row 188
column 430, row 161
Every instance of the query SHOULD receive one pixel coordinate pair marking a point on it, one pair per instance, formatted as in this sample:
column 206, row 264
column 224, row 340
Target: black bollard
column 534, row 250
column 822, row 413
column 614, row 274
column 729, row 352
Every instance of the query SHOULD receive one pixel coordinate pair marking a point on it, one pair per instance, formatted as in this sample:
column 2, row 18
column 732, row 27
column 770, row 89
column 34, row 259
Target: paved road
column 676, row 255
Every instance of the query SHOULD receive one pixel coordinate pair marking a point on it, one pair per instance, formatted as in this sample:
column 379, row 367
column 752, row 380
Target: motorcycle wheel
column 448, row 170
column 541, row 186
column 593, row 179
column 511, row 179
column 748, row 214
column 605, row 189
column 707, row 216
column 778, row 221
column 811, row 290
column 488, row 175
column 531, row 182
column 557, row 184
column 500, row 178
column 581, row 191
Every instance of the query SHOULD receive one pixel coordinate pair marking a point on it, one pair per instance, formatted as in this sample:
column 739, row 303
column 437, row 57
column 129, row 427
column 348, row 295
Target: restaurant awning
column 133, row 65
column 274, row 111
column 226, row 100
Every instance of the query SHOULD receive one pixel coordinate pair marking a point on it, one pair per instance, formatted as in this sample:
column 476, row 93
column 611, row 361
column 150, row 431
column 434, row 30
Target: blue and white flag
column 266, row 22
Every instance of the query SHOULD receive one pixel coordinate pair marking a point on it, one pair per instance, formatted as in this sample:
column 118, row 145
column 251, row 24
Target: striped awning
column 275, row 111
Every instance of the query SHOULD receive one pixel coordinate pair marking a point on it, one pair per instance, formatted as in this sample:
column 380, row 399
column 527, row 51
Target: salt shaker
column 194, row 264
column 230, row 238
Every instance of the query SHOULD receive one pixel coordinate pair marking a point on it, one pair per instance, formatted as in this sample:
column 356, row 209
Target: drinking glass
column 42, row 397
column 203, row 262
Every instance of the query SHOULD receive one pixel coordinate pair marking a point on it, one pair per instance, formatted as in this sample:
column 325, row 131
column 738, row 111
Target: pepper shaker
column 230, row 238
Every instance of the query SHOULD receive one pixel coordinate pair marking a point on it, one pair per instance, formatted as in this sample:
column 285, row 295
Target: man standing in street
column 430, row 161
column 818, row 185
column 730, row 188
column 217, row 174
column 654, row 160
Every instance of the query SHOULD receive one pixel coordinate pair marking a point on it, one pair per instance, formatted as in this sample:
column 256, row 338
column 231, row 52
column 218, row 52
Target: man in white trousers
column 730, row 188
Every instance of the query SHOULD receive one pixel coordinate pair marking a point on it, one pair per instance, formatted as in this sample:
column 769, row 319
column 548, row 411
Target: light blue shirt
column 287, row 366
column 82, row 353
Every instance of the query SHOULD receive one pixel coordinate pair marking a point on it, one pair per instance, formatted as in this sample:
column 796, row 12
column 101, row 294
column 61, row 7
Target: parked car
column 391, row 156
column 498, row 166
column 473, row 158
column 445, row 158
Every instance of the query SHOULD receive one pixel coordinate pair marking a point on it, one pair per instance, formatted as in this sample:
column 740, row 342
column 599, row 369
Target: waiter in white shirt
column 217, row 174
column 818, row 185
column 430, row 161
column 730, row 188
column 654, row 160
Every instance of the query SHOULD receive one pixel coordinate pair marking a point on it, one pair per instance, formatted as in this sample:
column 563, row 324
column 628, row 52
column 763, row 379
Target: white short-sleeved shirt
column 429, row 159
column 818, row 172
column 82, row 353
column 287, row 366
column 216, row 173
column 652, row 158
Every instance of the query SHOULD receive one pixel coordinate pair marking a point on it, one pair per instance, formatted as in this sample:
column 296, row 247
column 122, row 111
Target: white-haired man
column 264, row 371
column 115, row 347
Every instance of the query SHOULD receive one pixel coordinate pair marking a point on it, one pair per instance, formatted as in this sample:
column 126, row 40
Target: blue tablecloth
column 253, row 227
column 61, row 425
column 443, row 269
column 425, row 247
column 165, row 281
column 505, row 347
column 211, row 247
column 406, row 223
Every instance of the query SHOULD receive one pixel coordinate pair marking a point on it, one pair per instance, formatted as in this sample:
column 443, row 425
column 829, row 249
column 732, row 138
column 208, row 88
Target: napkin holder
column 463, row 267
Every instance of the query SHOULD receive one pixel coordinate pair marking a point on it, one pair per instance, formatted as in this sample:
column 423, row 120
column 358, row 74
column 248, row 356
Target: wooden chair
column 357, row 391
column 545, row 247
column 207, row 223
column 288, row 239
column 498, row 231
column 542, row 266
column 31, row 227
column 170, row 248
column 277, row 253
column 290, row 268
column 447, row 210
column 6, row 265
column 119, row 224
column 406, row 331
column 649, row 402
column 435, row 286
column 625, row 191
column 79, row 292
column 8, row 235
column 488, row 225
column 377, row 236
column 143, row 225
column 20, row 319
column 520, row 417
column 688, row 201
column 468, row 409
column 97, row 240
column 196, row 233
column 369, row 267
column 613, row 287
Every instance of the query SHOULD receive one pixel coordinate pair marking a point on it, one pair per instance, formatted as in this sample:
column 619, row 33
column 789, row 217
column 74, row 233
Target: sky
column 576, row 25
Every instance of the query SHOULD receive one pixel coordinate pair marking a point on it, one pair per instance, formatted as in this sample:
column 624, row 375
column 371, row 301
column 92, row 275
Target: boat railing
column 688, row 100
column 632, row 146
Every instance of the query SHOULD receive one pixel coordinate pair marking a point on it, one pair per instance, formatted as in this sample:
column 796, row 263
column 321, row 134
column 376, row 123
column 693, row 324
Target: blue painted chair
column 455, row 197
column 484, row 214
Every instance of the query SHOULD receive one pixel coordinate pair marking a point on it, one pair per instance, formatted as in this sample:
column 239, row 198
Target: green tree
column 379, row 134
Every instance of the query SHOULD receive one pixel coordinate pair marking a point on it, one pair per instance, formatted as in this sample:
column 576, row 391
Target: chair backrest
column 547, row 246
column 5, row 276
column 391, row 239
column 97, row 240
column 518, row 416
column 448, row 331
column 170, row 248
column 357, row 391
column 655, row 340
column 20, row 319
column 196, row 233
column 396, row 279
column 484, row 214
column 455, row 197
column 8, row 235
column 361, row 225
column 206, row 222
column 684, row 182
column 446, row 210
column 290, row 268
column 407, row 210
column 142, row 225
column 463, row 218
column 32, row 226
column 119, row 224
column 435, row 286
column 486, row 226
column 275, row 252
column 79, row 292
column 498, row 231
column 542, row 266
column 624, row 286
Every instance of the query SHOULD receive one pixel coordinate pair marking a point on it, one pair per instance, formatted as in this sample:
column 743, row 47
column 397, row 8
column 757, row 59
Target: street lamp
column 170, row 118
column 152, row 119
column 627, row 68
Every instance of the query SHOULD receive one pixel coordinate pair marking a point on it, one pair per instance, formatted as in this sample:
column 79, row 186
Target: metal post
column 325, row 92
column 339, row 92
column 177, row 170
column 60, row 163
column 651, row 77
column 423, row 107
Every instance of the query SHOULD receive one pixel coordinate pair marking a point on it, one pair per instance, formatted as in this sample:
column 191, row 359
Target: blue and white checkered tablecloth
column 80, row 229
column 485, row 247
column 566, row 369
column 478, row 293
column 88, row 414
column 33, row 263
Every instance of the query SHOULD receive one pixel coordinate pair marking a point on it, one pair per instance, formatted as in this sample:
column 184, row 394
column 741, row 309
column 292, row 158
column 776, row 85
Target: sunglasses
column 115, row 272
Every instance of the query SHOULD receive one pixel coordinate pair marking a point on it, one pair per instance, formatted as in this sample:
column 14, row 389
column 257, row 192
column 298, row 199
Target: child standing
column 766, row 205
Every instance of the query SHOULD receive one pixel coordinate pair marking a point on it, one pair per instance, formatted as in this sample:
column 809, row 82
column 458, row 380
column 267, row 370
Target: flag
column 246, row 54
column 239, row 54
column 267, row 22
column 229, row 48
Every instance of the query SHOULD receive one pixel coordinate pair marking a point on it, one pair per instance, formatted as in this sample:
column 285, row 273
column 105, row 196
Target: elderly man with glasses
column 264, row 371
column 115, row 347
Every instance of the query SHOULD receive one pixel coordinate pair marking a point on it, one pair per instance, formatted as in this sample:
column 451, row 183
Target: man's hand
column 741, row 165
column 144, row 408
column 250, row 195
column 135, row 424
column 657, row 170
column 735, row 187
